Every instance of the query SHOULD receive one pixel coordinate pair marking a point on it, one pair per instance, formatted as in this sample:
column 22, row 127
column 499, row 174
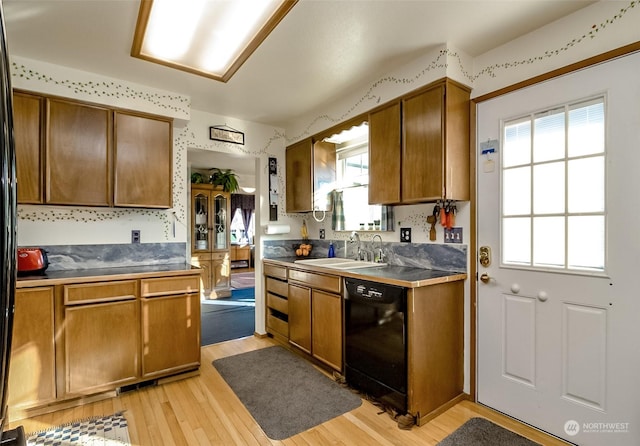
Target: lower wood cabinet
column 300, row 317
column 73, row 340
column 32, row 373
column 102, row 346
column 326, row 328
column 170, row 325
column 315, row 316
column 216, row 273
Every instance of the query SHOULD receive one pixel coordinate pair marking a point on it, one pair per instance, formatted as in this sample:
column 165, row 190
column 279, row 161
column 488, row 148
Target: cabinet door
column 204, row 263
column 422, row 147
column 326, row 326
column 201, row 226
column 384, row 155
column 457, row 143
column 170, row 334
column 220, row 275
column 299, row 174
column 143, row 161
column 78, row 154
column 324, row 174
column 27, row 125
column 102, row 346
column 32, row 371
column 221, row 219
column 300, row 317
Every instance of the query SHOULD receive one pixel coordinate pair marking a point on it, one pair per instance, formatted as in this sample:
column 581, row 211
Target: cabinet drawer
column 322, row 281
column 277, row 303
column 220, row 255
column 169, row 285
column 279, row 272
column 277, row 286
column 278, row 325
column 99, row 292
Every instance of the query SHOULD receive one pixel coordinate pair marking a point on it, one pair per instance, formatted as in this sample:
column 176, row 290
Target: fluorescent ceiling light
column 211, row 38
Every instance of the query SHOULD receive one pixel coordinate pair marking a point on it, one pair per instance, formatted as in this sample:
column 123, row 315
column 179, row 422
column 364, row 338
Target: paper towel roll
column 277, row 229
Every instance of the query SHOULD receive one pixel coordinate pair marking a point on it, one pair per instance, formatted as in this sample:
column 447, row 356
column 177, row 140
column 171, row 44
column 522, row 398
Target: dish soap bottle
column 332, row 253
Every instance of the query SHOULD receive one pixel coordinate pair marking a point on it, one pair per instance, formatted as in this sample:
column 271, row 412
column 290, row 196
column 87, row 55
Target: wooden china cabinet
column 210, row 238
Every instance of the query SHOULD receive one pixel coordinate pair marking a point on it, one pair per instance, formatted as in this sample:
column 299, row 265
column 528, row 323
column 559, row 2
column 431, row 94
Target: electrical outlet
column 321, row 234
column 135, row 236
column 405, row 235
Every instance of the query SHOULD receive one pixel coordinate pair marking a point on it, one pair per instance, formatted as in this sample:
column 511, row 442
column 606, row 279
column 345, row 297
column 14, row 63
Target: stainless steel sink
column 324, row 261
column 339, row 263
column 355, row 265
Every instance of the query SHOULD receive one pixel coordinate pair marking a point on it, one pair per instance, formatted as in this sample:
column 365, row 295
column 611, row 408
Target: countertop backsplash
column 443, row 257
column 74, row 257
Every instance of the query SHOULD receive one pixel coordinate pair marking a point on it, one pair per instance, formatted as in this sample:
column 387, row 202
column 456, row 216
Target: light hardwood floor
column 203, row 410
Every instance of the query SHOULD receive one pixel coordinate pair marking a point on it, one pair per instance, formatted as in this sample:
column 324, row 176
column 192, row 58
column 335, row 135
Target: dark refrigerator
column 8, row 240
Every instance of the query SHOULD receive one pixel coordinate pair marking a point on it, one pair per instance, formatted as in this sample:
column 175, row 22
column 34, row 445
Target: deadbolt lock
column 484, row 255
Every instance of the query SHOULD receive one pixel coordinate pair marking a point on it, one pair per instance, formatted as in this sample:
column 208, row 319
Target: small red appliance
column 32, row 261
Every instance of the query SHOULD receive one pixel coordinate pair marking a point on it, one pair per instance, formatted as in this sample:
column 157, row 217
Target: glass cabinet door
column 201, row 231
column 221, row 222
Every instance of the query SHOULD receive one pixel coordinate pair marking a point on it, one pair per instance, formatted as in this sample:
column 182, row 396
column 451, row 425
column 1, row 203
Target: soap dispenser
column 332, row 252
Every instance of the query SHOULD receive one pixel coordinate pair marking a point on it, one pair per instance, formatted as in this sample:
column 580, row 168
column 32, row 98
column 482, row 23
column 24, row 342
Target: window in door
column 553, row 189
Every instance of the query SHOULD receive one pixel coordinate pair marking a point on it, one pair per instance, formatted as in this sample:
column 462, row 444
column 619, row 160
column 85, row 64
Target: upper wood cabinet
column 28, row 123
column 143, row 161
column 433, row 159
column 73, row 153
column 385, row 151
column 310, row 175
column 78, row 148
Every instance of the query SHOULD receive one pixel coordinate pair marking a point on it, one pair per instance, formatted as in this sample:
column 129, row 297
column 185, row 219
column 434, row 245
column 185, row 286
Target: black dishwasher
column 375, row 340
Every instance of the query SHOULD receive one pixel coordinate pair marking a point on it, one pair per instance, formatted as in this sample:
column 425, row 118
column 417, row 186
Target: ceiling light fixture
column 210, row 38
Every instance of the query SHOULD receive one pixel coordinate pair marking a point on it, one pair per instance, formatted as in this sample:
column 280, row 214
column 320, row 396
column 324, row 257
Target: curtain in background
column 246, row 204
column 337, row 217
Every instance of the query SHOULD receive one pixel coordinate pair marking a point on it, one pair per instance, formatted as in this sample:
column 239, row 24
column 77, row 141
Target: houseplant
column 225, row 178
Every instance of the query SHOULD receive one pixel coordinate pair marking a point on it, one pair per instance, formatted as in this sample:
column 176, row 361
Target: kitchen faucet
column 379, row 256
column 355, row 238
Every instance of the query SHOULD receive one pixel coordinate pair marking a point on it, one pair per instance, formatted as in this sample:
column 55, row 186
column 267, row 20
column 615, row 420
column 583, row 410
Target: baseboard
column 423, row 419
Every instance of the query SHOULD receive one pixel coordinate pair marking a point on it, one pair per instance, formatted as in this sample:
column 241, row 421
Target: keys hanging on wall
column 445, row 213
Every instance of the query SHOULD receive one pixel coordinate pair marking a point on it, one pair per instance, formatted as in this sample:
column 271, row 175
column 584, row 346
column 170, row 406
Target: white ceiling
column 320, row 51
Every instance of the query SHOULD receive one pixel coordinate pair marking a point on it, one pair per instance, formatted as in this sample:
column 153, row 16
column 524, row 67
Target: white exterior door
column 558, row 348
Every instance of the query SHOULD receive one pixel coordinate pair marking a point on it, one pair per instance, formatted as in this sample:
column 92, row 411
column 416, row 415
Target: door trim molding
column 473, row 105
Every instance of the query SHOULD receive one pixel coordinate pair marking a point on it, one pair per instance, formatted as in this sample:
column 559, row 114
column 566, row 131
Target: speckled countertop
column 405, row 276
column 98, row 274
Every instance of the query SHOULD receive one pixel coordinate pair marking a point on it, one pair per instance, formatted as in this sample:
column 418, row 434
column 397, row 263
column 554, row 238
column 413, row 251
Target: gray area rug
column 284, row 393
column 482, row 432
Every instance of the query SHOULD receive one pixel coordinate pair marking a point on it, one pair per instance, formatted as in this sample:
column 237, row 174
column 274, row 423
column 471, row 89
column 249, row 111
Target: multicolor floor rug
column 243, row 280
column 102, row 431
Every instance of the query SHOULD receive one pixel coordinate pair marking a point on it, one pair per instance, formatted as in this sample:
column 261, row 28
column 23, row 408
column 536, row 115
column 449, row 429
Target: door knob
column 484, row 278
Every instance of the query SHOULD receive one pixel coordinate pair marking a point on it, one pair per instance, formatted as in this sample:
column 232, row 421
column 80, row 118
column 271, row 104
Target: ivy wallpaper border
column 106, row 89
column 447, row 56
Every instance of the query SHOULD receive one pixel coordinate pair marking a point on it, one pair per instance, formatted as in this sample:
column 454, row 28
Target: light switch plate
column 405, row 235
column 453, row 235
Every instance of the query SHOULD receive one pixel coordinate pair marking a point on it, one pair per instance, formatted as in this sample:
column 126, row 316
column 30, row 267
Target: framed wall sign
column 226, row 134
